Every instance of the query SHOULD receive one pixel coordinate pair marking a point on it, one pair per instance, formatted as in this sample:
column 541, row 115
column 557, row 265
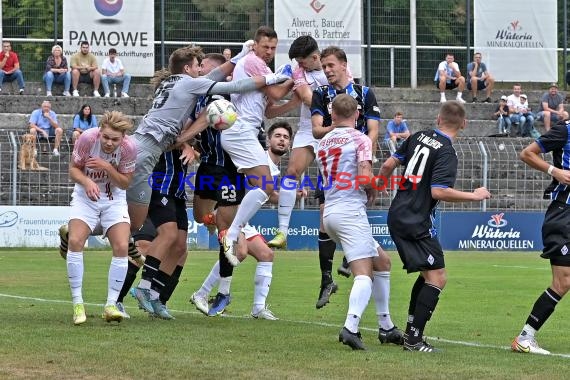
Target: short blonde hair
column 117, row 121
column 56, row 47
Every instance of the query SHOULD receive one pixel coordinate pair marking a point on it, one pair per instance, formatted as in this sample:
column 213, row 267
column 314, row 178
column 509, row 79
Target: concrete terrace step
column 139, row 90
column 20, row 122
column 25, row 104
column 476, row 128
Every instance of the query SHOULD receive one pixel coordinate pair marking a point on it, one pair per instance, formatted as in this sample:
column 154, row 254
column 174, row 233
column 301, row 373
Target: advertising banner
column 127, row 26
column 330, row 22
column 491, row 231
column 518, row 39
column 32, row 226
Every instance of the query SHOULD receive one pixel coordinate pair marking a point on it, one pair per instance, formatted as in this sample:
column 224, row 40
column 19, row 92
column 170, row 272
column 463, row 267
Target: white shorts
column 250, row 232
column 304, row 138
column 241, row 143
column 352, row 231
column 100, row 215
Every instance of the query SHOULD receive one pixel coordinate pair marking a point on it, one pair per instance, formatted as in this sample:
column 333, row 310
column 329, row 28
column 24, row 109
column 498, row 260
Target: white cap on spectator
column 504, row 97
column 524, row 96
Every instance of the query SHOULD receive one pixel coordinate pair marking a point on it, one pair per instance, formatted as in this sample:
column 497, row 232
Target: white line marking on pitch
column 323, row 324
column 518, row 267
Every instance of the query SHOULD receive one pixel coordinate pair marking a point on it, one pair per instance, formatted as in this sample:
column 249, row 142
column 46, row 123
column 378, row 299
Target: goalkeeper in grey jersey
column 177, row 90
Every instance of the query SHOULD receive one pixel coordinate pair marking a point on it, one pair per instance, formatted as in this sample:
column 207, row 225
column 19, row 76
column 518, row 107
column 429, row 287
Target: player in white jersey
column 308, row 76
column 102, row 166
column 345, row 161
column 252, row 243
column 177, row 91
column 240, row 141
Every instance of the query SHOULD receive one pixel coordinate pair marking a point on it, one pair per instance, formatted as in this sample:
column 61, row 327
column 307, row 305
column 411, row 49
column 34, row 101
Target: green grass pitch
column 483, row 307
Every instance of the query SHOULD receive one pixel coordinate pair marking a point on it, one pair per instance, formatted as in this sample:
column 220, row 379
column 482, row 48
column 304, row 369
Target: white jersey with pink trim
column 313, row 79
column 250, row 105
column 123, row 159
column 338, row 155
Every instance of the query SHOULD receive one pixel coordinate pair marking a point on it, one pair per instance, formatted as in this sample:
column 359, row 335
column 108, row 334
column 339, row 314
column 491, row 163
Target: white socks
column 530, row 332
column 359, row 297
column 250, row 204
column 262, row 282
column 210, row 281
column 225, row 283
column 287, row 197
column 75, row 275
column 381, row 294
column 117, row 274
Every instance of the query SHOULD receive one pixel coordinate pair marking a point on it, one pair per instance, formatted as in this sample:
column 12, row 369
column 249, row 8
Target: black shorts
column 556, row 234
column 146, row 232
column 419, row 254
column 222, row 184
column 164, row 209
column 85, row 78
column 320, row 195
column 480, row 85
column 448, row 85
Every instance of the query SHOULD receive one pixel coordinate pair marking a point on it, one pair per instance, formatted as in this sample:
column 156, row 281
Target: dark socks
column 226, row 269
column 543, row 308
column 326, row 255
column 428, row 296
column 171, row 285
column 420, row 281
column 150, row 268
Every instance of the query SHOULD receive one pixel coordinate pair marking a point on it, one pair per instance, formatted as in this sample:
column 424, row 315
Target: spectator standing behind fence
column 84, row 69
column 43, row 124
column 114, row 73
column 57, row 71
column 10, row 67
column 83, row 121
column 552, row 107
column 448, row 76
column 501, row 114
column 478, row 78
column 397, row 130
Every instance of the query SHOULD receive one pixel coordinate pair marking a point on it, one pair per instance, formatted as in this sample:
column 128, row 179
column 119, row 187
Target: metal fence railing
column 441, row 26
column 513, row 185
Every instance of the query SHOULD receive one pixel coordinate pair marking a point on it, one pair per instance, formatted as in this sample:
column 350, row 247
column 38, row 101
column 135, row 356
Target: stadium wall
column 31, row 226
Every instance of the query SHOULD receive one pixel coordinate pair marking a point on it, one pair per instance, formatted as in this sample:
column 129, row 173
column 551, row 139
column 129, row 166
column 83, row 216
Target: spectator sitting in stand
column 10, row 67
column 84, row 69
column 83, row 121
column 552, row 107
column 514, row 102
column 397, row 130
column 43, row 124
column 478, row 78
column 227, row 54
column 448, row 77
column 527, row 130
column 501, row 114
column 57, row 71
column 114, row 73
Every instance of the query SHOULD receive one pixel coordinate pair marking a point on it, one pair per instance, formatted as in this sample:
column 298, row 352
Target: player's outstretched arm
column 192, row 128
column 449, row 194
column 531, row 155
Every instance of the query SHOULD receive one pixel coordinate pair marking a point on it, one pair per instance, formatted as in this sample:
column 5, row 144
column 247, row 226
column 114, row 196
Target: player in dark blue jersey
column 166, row 255
column 555, row 231
column 334, row 63
column 430, row 168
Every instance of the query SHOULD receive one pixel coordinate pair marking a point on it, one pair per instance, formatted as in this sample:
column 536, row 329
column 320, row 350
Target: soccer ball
column 221, row 114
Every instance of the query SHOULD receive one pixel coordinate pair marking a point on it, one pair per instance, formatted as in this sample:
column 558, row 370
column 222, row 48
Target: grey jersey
column 175, row 99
